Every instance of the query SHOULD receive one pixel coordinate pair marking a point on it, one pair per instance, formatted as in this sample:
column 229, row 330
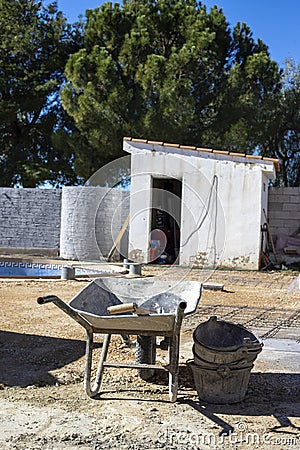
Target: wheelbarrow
column 158, row 308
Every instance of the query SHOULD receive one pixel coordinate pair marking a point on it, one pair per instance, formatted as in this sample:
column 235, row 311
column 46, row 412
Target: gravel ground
column 44, row 406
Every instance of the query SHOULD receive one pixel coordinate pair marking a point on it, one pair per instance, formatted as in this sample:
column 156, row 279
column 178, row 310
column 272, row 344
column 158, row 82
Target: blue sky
column 276, row 22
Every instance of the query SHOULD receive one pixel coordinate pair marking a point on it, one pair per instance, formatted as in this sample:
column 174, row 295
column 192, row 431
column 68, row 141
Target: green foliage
column 166, row 70
column 280, row 134
column 157, row 69
column 252, row 82
column 35, row 141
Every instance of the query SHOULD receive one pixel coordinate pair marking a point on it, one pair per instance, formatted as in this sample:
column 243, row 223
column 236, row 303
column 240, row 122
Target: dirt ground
column 44, row 406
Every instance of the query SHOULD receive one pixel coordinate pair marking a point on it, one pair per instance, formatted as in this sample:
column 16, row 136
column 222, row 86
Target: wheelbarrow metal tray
column 162, row 297
column 162, row 323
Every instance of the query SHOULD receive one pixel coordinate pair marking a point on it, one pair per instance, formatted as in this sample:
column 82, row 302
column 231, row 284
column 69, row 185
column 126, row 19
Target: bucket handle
column 223, row 371
column 243, row 350
column 249, row 350
column 189, row 361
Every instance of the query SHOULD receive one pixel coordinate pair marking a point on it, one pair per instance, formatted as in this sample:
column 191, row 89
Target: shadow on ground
column 27, row 359
column 268, row 394
column 265, row 389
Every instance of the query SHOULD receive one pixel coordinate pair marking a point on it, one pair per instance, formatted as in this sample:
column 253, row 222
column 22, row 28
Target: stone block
column 294, row 199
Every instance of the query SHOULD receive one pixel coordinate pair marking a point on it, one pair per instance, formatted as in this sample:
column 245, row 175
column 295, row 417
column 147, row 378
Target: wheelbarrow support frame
column 93, row 390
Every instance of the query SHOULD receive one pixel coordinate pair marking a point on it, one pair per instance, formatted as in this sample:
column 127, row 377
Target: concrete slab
column 280, row 355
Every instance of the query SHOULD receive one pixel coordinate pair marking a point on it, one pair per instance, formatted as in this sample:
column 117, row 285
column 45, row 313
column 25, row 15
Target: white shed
column 196, row 206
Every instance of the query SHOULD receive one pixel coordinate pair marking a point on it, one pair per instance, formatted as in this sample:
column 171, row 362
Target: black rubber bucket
column 237, row 363
column 221, row 385
column 224, row 353
column 221, row 342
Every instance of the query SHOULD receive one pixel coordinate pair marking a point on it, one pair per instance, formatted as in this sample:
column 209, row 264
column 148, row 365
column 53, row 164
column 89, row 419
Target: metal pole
column 174, row 352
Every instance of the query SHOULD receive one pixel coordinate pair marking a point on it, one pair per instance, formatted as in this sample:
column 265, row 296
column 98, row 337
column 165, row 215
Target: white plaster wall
column 240, row 197
column 91, row 219
column 140, row 215
column 222, row 195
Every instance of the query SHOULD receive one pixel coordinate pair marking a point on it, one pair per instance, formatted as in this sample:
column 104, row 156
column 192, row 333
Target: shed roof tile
column 207, row 150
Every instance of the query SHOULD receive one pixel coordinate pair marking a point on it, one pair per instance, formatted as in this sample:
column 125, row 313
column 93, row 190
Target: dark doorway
column 165, row 220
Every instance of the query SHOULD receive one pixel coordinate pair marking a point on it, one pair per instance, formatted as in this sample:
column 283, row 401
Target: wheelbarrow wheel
column 145, row 354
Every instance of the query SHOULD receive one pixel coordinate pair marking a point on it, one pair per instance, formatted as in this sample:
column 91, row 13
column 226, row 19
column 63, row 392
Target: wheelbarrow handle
column 67, row 309
column 47, row 299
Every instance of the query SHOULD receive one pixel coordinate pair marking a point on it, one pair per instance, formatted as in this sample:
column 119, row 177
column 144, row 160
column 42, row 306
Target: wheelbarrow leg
column 93, row 391
column 174, row 353
column 173, row 368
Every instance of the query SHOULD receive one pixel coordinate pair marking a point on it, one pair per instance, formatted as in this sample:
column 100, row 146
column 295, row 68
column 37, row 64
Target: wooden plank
column 296, row 232
column 119, row 237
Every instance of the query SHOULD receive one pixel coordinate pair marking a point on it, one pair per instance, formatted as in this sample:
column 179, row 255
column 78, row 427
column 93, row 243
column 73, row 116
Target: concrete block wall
column 284, row 210
column 30, row 218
